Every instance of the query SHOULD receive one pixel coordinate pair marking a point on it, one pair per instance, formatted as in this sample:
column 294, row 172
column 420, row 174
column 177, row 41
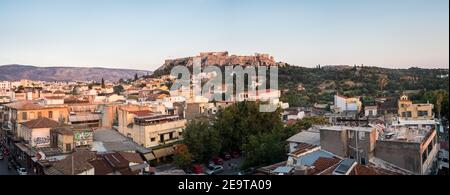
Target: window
column 430, row 147
column 161, row 138
column 362, row 135
column 68, row 147
column 408, row 114
column 171, row 135
column 152, row 139
column 363, row 161
column 180, row 133
column 350, row 134
column 39, row 114
column 422, row 113
column 403, row 114
column 50, row 114
column 24, row 116
column 424, row 156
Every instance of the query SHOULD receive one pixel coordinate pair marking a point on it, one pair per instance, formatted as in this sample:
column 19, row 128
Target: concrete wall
column 366, row 145
column 402, row 154
column 334, row 142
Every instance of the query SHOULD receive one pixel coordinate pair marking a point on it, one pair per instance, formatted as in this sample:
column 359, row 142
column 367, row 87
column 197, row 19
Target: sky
column 141, row 34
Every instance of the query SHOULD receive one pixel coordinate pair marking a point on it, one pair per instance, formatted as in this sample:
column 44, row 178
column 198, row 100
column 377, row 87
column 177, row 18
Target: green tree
column 103, row 83
column 264, row 149
column 237, row 122
column 118, row 89
column 182, row 157
column 202, row 140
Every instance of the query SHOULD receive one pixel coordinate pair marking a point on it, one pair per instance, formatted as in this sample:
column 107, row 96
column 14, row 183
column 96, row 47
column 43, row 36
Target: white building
column 343, row 104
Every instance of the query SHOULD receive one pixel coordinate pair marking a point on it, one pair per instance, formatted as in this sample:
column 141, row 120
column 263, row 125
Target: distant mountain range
column 17, row 72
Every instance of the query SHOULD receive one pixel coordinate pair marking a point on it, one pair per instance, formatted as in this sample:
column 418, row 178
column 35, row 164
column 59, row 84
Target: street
column 4, row 168
column 4, row 163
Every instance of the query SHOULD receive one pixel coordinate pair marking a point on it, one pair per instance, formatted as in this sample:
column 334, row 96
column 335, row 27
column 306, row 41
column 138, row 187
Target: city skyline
column 142, row 34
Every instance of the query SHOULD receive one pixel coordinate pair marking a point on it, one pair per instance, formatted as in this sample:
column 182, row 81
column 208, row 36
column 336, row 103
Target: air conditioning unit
column 77, row 143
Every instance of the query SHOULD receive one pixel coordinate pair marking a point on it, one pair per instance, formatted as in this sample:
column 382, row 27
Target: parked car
column 213, row 170
column 217, row 160
column 249, row 171
column 22, row 171
column 197, row 169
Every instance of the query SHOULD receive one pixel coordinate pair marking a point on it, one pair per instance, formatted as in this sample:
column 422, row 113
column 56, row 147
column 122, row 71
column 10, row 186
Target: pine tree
column 103, row 83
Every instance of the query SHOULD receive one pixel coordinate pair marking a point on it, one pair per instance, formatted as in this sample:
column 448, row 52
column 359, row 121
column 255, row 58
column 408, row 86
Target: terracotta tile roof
column 132, row 157
column 81, row 163
column 302, row 148
column 291, row 122
column 328, row 171
column 101, row 167
column 371, row 170
column 323, row 163
column 64, row 130
column 24, row 105
column 116, row 160
column 41, row 122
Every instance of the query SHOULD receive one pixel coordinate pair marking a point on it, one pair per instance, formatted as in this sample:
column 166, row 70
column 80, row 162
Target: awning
column 163, row 152
column 149, row 156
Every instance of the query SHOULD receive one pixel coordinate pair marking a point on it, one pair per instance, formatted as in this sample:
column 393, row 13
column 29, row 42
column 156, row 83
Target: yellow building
column 23, row 111
column 149, row 129
column 408, row 110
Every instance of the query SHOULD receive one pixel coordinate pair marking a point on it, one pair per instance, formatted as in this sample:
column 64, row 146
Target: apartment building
column 408, row 110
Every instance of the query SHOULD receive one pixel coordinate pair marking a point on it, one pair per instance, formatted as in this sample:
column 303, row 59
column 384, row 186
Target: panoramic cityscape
column 177, row 88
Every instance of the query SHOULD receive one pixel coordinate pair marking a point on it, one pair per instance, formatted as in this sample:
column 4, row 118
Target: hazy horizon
column 140, row 35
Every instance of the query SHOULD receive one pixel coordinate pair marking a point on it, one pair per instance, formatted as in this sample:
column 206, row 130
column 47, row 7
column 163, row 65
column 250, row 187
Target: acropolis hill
column 220, row 59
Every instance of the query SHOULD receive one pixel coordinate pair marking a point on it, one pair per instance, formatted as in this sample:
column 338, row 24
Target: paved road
column 4, row 168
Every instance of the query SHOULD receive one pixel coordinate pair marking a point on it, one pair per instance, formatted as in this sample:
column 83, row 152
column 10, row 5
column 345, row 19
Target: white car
column 212, row 170
column 22, row 171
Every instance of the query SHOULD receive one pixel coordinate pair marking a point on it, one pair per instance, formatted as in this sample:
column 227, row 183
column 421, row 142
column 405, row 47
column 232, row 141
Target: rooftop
column 109, row 140
column 311, row 136
column 80, row 162
column 341, row 128
column 405, row 134
column 41, row 122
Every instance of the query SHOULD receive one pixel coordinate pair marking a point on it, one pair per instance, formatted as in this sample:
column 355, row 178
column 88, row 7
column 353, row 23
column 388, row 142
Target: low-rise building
column 411, row 148
column 343, row 104
column 408, row 110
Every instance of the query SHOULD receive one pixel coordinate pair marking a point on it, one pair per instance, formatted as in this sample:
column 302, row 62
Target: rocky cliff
column 219, row 59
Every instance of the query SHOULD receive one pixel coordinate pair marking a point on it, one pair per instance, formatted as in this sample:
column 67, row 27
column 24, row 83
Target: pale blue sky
column 140, row 34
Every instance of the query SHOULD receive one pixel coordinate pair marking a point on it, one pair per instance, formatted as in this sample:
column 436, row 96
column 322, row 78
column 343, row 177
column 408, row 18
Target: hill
column 17, row 72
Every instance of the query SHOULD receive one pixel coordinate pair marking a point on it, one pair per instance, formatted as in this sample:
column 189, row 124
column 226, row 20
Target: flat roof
column 405, row 134
column 309, row 137
column 341, row 128
column 106, row 140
